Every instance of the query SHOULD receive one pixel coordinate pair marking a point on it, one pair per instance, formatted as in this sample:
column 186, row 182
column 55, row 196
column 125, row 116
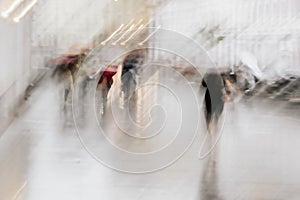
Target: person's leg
column 126, row 85
column 208, row 110
column 85, row 86
column 208, row 115
column 67, row 91
column 208, row 121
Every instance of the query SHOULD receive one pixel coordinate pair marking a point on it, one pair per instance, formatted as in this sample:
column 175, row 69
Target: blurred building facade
column 228, row 29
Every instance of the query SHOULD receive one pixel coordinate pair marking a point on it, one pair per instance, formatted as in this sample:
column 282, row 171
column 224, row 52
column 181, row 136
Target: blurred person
column 251, row 81
column 105, row 82
column 65, row 81
column 245, row 80
column 232, row 91
column 63, row 73
column 241, row 80
column 75, row 64
column 66, row 67
column 214, row 97
column 129, row 71
column 71, row 59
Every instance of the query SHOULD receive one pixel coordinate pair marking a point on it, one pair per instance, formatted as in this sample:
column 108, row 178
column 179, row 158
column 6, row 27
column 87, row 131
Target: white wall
column 15, row 69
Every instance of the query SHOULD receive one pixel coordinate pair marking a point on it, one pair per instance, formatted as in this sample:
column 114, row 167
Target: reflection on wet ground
column 255, row 158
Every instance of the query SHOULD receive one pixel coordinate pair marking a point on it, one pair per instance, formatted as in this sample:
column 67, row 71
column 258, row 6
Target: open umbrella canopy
column 249, row 60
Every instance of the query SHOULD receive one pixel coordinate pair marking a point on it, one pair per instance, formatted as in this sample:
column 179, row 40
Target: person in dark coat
column 214, row 97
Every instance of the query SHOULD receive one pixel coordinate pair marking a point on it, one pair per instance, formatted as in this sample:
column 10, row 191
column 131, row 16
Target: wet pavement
column 256, row 156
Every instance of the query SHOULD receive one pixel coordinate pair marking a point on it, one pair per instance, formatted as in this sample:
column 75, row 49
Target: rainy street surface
column 255, row 158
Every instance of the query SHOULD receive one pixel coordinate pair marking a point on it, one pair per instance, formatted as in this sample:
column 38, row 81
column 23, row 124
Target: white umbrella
column 250, row 61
